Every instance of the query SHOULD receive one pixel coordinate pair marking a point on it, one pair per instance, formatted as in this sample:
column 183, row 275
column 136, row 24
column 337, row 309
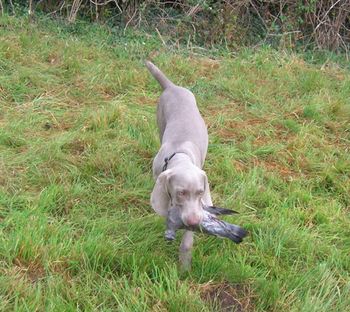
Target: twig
column 284, row 34
column 346, row 49
column 12, row 7
column 96, row 9
column 160, row 36
column 1, row 8
column 59, row 9
column 73, row 13
column 325, row 15
column 129, row 21
column 257, row 12
column 106, row 2
column 30, row 10
column 193, row 10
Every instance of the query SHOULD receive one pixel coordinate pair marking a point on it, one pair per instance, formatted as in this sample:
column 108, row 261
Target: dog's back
column 178, row 117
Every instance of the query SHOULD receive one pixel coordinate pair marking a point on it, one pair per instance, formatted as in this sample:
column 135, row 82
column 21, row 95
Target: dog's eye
column 200, row 193
column 181, row 193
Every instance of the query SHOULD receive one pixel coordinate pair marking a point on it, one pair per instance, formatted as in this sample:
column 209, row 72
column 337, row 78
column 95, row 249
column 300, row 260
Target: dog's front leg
column 186, row 251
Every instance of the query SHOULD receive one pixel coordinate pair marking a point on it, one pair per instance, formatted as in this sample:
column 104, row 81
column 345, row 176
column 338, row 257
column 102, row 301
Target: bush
column 288, row 23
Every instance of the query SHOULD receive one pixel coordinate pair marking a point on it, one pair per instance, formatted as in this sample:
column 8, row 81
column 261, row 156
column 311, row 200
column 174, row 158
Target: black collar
column 166, row 161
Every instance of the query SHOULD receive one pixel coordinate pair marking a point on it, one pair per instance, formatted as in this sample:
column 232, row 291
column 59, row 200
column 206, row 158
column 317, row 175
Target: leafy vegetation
column 288, row 24
column 77, row 138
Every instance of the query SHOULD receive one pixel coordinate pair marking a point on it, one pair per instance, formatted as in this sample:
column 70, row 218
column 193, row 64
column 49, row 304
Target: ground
column 77, row 138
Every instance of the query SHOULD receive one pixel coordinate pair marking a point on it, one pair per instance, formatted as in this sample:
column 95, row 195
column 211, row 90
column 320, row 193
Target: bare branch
column 74, row 11
column 160, row 36
column 12, row 7
column 30, row 10
column 325, row 15
column 59, row 9
column 129, row 21
column 106, row 2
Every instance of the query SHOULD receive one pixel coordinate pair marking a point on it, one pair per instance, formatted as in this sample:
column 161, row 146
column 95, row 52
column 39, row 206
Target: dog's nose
column 193, row 220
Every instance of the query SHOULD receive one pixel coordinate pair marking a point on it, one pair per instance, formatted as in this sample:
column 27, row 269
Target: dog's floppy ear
column 160, row 198
column 206, row 184
column 206, row 197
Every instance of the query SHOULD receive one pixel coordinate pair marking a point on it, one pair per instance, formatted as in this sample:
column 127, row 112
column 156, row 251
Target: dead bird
column 210, row 224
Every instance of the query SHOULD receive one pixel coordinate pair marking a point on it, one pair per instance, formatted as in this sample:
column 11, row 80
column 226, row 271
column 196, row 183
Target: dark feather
column 219, row 211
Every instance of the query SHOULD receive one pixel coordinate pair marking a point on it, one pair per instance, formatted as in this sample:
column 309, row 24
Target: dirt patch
column 228, row 297
column 230, row 108
column 239, row 130
column 145, row 101
column 296, row 114
column 64, row 123
column 229, row 135
column 53, row 59
column 77, row 147
column 260, row 131
column 144, row 154
column 32, row 271
column 206, row 67
column 269, row 165
column 61, row 268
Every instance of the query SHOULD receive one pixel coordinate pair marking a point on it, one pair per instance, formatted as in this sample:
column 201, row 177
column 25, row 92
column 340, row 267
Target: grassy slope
column 77, row 137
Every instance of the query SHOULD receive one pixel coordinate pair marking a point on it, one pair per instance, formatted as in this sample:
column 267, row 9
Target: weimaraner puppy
column 177, row 167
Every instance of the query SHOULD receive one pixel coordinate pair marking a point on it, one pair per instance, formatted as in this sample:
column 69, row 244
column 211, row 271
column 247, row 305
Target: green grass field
column 77, row 138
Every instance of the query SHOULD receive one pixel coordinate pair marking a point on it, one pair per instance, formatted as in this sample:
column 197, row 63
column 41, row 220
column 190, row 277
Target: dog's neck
column 183, row 155
column 180, row 159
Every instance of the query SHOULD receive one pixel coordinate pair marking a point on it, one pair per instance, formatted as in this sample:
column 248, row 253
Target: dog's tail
column 158, row 75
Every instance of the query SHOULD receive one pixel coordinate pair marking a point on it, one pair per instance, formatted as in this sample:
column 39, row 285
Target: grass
column 77, row 138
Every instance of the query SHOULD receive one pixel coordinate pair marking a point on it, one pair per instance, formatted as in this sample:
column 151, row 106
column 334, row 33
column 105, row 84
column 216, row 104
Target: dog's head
column 184, row 188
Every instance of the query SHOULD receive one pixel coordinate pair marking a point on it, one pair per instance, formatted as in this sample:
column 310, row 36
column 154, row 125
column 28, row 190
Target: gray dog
column 177, row 167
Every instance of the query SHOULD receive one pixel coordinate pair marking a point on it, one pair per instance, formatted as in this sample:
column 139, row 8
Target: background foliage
column 324, row 24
